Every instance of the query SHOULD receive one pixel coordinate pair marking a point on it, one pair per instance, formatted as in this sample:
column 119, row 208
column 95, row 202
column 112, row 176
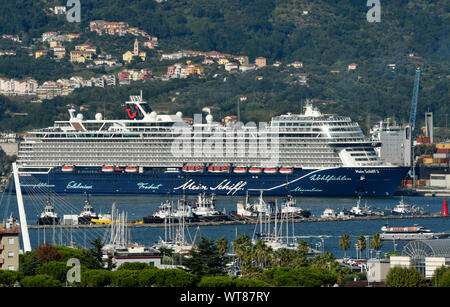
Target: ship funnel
column 444, row 207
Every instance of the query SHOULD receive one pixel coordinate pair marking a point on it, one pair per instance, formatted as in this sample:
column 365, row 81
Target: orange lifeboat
column 270, row 170
column 131, row 169
column 107, row 169
column 285, row 170
column 240, row 170
column 68, row 168
column 193, row 168
column 255, row 170
column 218, row 169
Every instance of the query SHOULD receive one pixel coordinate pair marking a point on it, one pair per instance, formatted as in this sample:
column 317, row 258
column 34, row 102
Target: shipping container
column 441, row 155
column 443, row 146
column 443, row 150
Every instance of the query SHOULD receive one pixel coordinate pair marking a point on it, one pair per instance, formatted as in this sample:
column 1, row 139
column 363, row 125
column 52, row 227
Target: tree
column 206, row 259
column 47, row 253
column 40, row 281
column 344, row 243
column 441, row 277
column 96, row 278
column 404, row 277
column 96, row 252
column 56, row 269
column 29, row 264
column 361, row 244
column 222, row 246
column 9, row 278
column 241, row 245
column 375, row 243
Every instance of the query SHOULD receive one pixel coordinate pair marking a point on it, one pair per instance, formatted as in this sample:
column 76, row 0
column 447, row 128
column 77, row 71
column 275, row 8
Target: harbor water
column 321, row 235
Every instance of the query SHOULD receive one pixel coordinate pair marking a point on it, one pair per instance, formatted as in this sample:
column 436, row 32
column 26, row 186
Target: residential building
column 111, row 28
column 81, row 56
column 47, row 35
column 86, row 47
column 352, row 66
column 59, row 52
column 18, row 87
column 40, row 53
column 231, row 66
column 7, row 52
column 72, row 36
column 296, row 64
column 59, row 10
column 172, row 56
column 223, row 61
column 14, row 38
column 243, row 59
column 247, row 67
column 9, row 246
column 49, row 90
column 208, row 61
column 260, row 62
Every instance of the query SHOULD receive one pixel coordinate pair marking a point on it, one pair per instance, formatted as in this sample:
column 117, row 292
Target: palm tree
column 344, row 243
column 361, row 243
column 240, row 245
column 375, row 243
column 222, row 246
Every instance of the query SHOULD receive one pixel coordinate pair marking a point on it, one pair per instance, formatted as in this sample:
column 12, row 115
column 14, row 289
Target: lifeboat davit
column 193, row 168
column 285, row 170
column 131, row 169
column 255, row 170
column 240, row 170
column 67, row 168
column 270, row 170
column 107, row 169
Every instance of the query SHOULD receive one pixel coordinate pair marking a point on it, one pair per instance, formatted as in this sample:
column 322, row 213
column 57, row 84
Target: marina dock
column 243, row 221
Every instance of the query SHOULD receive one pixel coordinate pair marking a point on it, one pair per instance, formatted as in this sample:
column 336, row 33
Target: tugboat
column 48, row 216
column 205, row 209
column 328, row 214
column 289, row 206
column 405, row 209
column 87, row 214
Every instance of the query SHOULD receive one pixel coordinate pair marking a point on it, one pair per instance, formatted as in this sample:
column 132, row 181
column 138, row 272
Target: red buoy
column 444, row 207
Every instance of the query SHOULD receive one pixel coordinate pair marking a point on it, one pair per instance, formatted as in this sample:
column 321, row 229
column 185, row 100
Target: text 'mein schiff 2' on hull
column 309, row 154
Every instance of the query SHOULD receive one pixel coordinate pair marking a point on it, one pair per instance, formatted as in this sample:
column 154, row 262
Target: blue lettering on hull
column 381, row 181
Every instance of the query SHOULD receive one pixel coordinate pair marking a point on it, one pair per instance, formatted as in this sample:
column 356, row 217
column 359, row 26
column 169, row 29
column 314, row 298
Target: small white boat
column 328, row 214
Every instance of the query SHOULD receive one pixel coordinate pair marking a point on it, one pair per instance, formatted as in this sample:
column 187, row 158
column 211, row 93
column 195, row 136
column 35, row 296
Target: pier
column 242, row 221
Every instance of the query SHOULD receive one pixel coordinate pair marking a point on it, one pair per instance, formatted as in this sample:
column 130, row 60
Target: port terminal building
column 424, row 255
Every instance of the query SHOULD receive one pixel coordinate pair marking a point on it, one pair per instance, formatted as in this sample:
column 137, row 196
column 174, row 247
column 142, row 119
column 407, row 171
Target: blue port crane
column 412, row 112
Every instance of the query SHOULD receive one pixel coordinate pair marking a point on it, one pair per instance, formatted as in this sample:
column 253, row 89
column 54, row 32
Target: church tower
column 136, row 47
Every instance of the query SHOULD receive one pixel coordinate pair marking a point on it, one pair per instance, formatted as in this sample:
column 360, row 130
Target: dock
column 243, row 221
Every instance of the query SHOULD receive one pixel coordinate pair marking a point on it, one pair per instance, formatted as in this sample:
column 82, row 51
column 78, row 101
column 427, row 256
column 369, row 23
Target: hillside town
column 90, row 56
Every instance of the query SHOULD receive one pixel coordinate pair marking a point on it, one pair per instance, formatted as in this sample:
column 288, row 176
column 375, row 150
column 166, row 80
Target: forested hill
column 322, row 31
column 326, row 35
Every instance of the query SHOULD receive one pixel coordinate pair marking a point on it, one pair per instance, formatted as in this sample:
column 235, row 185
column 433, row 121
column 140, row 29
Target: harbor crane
column 412, row 118
column 412, row 112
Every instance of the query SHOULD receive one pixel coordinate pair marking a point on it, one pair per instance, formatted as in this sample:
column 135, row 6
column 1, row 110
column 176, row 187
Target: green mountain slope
column 325, row 35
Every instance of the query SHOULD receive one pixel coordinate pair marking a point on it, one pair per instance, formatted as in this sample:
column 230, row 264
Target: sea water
column 323, row 236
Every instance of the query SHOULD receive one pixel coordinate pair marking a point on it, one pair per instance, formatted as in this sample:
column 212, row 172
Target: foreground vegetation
column 260, row 267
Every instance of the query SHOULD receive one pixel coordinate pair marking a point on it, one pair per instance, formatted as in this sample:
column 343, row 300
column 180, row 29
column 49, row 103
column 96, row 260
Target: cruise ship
column 309, row 154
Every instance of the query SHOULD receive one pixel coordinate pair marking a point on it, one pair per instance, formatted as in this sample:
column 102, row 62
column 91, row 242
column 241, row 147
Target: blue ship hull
column 351, row 181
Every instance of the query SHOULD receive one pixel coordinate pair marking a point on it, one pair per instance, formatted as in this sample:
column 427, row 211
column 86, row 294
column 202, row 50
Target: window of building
column 10, row 254
column 10, row 240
